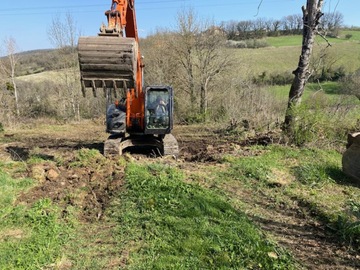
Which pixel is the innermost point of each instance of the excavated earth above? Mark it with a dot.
(293, 226)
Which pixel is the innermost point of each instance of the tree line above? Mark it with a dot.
(288, 25)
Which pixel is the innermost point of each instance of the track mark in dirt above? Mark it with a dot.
(294, 227)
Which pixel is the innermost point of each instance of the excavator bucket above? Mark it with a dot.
(107, 62)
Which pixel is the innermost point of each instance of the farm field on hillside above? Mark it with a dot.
(293, 205)
(253, 62)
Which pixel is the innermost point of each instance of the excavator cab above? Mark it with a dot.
(158, 110)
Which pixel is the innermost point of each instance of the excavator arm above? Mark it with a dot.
(112, 61)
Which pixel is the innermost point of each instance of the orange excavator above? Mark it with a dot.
(136, 116)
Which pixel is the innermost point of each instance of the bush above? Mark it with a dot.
(351, 84)
(1, 127)
(276, 78)
(321, 121)
(329, 74)
(248, 43)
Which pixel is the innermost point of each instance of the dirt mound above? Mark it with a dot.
(84, 187)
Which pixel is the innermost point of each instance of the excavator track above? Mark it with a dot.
(107, 62)
(167, 146)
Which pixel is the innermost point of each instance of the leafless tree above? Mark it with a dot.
(63, 33)
(183, 45)
(212, 61)
(230, 28)
(311, 18)
(244, 28)
(292, 24)
(8, 68)
(198, 51)
(332, 22)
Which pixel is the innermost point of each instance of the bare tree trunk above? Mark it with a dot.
(311, 16)
(8, 67)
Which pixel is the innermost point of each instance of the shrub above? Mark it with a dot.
(321, 120)
(248, 43)
(276, 78)
(351, 84)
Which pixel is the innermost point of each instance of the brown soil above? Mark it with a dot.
(91, 188)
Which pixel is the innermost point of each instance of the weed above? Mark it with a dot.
(312, 174)
(348, 230)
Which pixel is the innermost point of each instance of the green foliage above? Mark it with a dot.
(315, 167)
(275, 78)
(175, 225)
(10, 86)
(2, 129)
(329, 74)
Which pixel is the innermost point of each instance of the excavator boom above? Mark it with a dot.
(112, 61)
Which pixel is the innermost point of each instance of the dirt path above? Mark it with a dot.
(291, 225)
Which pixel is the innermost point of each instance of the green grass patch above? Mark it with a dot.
(355, 34)
(296, 40)
(174, 225)
(282, 41)
(30, 237)
(311, 176)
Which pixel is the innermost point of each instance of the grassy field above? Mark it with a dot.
(283, 54)
(171, 214)
(253, 62)
(235, 199)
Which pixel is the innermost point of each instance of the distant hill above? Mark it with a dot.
(37, 61)
(286, 55)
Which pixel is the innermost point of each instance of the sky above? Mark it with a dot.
(28, 21)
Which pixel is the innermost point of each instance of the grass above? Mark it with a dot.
(31, 237)
(174, 225)
(311, 176)
(296, 40)
(284, 54)
(196, 217)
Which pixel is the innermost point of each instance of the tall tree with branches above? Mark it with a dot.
(311, 20)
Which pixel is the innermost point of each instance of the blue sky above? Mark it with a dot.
(28, 21)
